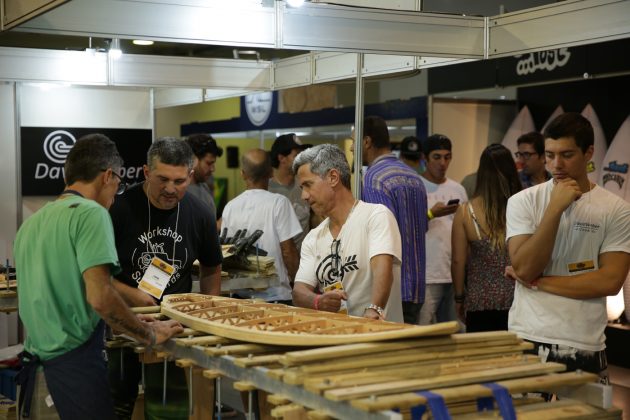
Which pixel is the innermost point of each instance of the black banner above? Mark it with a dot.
(537, 67)
(44, 151)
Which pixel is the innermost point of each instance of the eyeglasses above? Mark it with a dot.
(336, 258)
(525, 155)
(122, 185)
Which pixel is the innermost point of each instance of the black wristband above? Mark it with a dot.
(460, 298)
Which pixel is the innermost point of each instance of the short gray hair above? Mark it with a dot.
(170, 151)
(323, 158)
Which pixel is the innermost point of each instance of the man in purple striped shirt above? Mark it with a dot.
(390, 182)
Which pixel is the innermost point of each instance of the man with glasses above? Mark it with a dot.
(65, 258)
(530, 159)
(206, 153)
(158, 224)
(353, 257)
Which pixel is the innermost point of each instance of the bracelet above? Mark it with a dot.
(316, 302)
(430, 214)
(378, 309)
(459, 298)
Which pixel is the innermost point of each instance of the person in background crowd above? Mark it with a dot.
(159, 223)
(569, 243)
(531, 159)
(411, 154)
(444, 196)
(65, 258)
(483, 294)
(258, 209)
(351, 261)
(206, 152)
(284, 149)
(390, 182)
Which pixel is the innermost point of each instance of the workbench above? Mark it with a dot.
(382, 380)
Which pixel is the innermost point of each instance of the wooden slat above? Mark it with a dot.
(415, 371)
(344, 394)
(240, 349)
(563, 409)
(298, 376)
(207, 340)
(352, 350)
(473, 391)
(145, 309)
(277, 399)
(211, 374)
(264, 360)
(244, 386)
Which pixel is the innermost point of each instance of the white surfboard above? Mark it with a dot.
(614, 172)
(614, 177)
(522, 124)
(558, 111)
(595, 165)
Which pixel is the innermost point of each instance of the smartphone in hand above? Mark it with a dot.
(453, 201)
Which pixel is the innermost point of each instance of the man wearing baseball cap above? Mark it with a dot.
(411, 153)
(284, 149)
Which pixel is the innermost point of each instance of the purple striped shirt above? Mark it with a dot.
(390, 182)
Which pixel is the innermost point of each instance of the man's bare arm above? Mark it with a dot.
(290, 257)
(108, 303)
(607, 280)
(132, 295)
(530, 254)
(382, 273)
(210, 279)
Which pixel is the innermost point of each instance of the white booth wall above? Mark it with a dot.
(53, 105)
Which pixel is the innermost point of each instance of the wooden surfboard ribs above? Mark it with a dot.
(279, 324)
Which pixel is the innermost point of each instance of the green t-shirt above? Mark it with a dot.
(52, 250)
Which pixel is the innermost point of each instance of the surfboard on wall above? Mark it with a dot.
(601, 147)
(522, 124)
(614, 177)
(556, 112)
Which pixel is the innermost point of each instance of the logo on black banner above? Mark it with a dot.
(57, 146)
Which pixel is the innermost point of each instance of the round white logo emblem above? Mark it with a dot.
(57, 145)
(258, 107)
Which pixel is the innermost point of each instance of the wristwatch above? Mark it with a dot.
(378, 309)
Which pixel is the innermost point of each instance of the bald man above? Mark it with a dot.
(257, 208)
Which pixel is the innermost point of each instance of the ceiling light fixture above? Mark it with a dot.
(114, 49)
(295, 3)
(237, 53)
(143, 42)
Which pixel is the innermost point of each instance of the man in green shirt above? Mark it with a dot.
(65, 258)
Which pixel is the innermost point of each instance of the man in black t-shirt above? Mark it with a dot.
(159, 219)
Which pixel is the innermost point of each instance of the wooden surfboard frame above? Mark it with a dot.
(270, 323)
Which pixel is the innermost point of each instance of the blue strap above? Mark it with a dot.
(435, 403)
(504, 400)
(485, 404)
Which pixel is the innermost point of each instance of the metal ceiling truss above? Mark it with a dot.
(413, 41)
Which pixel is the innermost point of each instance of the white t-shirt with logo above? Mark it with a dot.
(598, 222)
(370, 230)
(273, 214)
(438, 240)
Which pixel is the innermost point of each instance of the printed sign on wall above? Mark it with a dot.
(44, 152)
